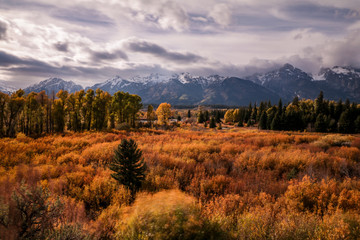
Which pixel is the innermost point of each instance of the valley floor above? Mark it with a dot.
(235, 183)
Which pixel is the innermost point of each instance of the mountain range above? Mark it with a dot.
(186, 89)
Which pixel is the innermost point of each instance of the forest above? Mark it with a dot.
(205, 177)
(320, 115)
(37, 113)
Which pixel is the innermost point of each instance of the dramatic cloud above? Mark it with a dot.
(104, 55)
(89, 41)
(163, 14)
(62, 47)
(156, 50)
(3, 28)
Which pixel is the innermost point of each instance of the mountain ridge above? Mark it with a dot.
(285, 82)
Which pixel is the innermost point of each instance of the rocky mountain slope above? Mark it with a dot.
(51, 85)
(186, 89)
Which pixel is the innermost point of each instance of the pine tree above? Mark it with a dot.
(276, 122)
(357, 125)
(201, 117)
(189, 114)
(212, 123)
(263, 121)
(129, 166)
(320, 124)
(345, 122)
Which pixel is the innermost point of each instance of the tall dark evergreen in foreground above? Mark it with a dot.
(129, 166)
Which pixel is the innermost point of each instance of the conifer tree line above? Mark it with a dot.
(37, 113)
(318, 115)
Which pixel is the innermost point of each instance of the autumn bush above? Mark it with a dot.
(237, 183)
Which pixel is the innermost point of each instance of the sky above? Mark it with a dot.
(89, 41)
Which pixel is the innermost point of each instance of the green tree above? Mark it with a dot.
(212, 123)
(201, 117)
(357, 125)
(320, 124)
(129, 166)
(276, 122)
(189, 114)
(345, 122)
(263, 121)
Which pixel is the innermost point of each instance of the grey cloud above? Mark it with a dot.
(81, 15)
(3, 29)
(7, 60)
(156, 50)
(104, 55)
(62, 47)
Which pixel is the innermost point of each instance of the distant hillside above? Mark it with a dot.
(51, 85)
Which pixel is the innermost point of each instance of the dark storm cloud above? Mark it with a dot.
(3, 28)
(62, 47)
(104, 55)
(156, 50)
(7, 60)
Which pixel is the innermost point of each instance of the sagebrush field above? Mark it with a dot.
(236, 183)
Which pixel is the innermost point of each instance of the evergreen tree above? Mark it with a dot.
(212, 123)
(295, 101)
(280, 106)
(217, 116)
(129, 166)
(345, 122)
(338, 109)
(201, 117)
(263, 121)
(206, 115)
(320, 124)
(276, 122)
(189, 114)
(357, 125)
(319, 104)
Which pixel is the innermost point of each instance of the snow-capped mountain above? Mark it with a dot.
(53, 85)
(152, 78)
(344, 79)
(288, 82)
(186, 89)
(5, 87)
(187, 78)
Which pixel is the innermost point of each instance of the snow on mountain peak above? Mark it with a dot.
(152, 78)
(6, 88)
(344, 70)
(319, 77)
(114, 81)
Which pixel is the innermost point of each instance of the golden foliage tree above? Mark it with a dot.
(163, 113)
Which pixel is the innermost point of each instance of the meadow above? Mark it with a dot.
(234, 183)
